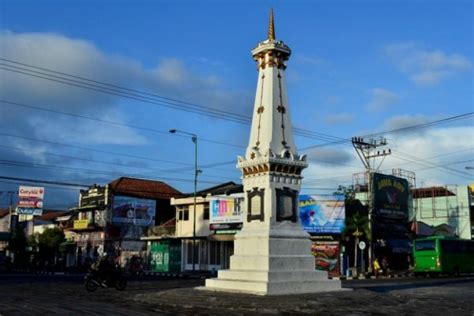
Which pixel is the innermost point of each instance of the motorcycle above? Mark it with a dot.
(116, 279)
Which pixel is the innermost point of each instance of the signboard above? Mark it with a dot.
(130, 210)
(390, 196)
(30, 200)
(31, 192)
(322, 214)
(362, 245)
(327, 256)
(29, 211)
(226, 210)
(81, 224)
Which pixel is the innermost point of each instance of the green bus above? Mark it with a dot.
(439, 255)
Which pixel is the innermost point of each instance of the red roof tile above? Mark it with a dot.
(51, 215)
(3, 212)
(143, 188)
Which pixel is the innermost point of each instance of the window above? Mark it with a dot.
(422, 245)
(255, 205)
(206, 211)
(189, 248)
(183, 213)
(286, 204)
(215, 253)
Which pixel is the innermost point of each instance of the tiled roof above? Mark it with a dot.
(49, 216)
(224, 188)
(431, 192)
(3, 212)
(143, 188)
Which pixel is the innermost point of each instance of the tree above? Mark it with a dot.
(357, 226)
(49, 242)
(17, 245)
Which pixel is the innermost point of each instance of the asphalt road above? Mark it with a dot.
(54, 295)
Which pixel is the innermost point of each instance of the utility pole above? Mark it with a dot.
(10, 213)
(367, 152)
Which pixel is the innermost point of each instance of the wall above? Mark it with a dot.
(184, 228)
(451, 210)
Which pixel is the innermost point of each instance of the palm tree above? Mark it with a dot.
(357, 226)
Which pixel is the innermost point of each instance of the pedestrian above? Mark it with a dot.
(385, 269)
(376, 267)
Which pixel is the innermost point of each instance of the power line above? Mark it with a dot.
(105, 151)
(147, 129)
(98, 86)
(162, 171)
(397, 130)
(45, 166)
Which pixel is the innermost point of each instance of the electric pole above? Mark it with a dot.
(368, 154)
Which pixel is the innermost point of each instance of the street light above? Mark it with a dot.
(194, 139)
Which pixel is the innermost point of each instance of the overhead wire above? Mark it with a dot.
(86, 83)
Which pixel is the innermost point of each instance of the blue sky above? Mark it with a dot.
(357, 67)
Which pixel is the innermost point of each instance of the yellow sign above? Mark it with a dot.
(81, 224)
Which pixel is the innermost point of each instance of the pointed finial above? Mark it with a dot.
(271, 27)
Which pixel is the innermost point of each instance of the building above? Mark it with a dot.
(4, 229)
(213, 235)
(112, 218)
(50, 219)
(443, 210)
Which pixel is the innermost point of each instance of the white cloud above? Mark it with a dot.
(445, 146)
(170, 78)
(381, 99)
(328, 155)
(402, 121)
(426, 67)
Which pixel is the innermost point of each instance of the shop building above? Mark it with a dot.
(218, 215)
(113, 218)
(443, 210)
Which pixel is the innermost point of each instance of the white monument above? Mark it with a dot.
(272, 253)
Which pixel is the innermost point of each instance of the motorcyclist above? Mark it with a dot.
(105, 268)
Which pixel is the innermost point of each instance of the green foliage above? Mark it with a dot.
(32, 241)
(357, 225)
(18, 241)
(49, 241)
(348, 192)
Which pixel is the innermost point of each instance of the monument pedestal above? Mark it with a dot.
(272, 261)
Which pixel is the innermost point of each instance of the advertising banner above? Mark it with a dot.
(390, 196)
(225, 211)
(130, 210)
(29, 211)
(322, 214)
(30, 200)
(327, 256)
(81, 224)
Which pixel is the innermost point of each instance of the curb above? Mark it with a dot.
(362, 277)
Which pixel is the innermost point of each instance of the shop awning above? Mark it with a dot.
(221, 237)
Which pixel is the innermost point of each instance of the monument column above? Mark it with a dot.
(272, 254)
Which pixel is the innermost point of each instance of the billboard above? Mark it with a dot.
(226, 210)
(322, 214)
(327, 256)
(30, 200)
(390, 197)
(130, 210)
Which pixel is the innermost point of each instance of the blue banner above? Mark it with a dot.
(322, 214)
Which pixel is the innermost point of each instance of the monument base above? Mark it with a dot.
(272, 261)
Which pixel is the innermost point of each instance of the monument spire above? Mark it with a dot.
(271, 27)
(271, 252)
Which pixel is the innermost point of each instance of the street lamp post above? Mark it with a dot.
(194, 139)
